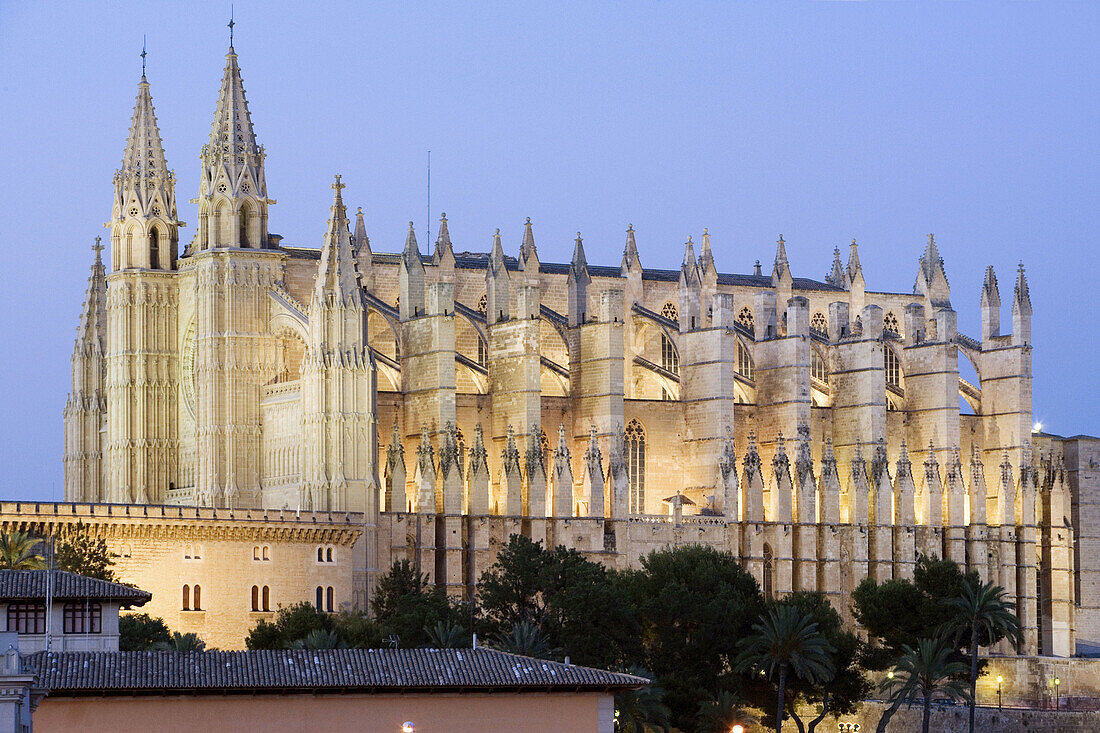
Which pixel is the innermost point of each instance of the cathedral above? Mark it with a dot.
(254, 423)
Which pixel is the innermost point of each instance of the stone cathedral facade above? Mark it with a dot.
(247, 397)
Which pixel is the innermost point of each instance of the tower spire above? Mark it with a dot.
(144, 211)
(337, 273)
(143, 56)
(361, 240)
(931, 276)
(837, 277)
(233, 170)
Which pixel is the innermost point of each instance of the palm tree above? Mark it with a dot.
(17, 552)
(924, 672)
(984, 615)
(447, 635)
(644, 710)
(189, 642)
(319, 639)
(526, 639)
(783, 641)
(719, 713)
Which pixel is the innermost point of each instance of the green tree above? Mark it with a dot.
(897, 613)
(983, 616)
(291, 624)
(785, 641)
(19, 551)
(405, 605)
(358, 631)
(692, 603)
(644, 710)
(578, 604)
(140, 632)
(848, 687)
(924, 672)
(77, 551)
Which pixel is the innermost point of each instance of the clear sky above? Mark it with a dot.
(823, 122)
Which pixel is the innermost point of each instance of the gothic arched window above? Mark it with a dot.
(745, 319)
(197, 598)
(243, 217)
(482, 352)
(892, 365)
(267, 598)
(819, 324)
(154, 248)
(817, 366)
(890, 325)
(329, 599)
(768, 583)
(744, 361)
(320, 598)
(669, 311)
(255, 598)
(186, 598)
(635, 461)
(670, 360)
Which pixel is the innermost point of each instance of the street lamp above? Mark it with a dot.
(1000, 679)
(1057, 701)
(738, 728)
(408, 727)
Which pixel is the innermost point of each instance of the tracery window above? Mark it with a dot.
(635, 456)
(817, 366)
(27, 618)
(482, 352)
(892, 366)
(670, 360)
(890, 325)
(745, 319)
(819, 324)
(483, 304)
(670, 312)
(744, 361)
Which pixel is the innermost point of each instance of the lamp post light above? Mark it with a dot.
(408, 727)
(737, 728)
(1057, 700)
(1000, 679)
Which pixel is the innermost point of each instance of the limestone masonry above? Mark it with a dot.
(254, 424)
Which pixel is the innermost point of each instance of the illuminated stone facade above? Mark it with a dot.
(444, 401)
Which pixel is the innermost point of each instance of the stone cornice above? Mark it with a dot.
(121, 521)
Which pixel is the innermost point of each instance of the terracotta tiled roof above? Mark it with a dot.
(30, 585)
(215, 672)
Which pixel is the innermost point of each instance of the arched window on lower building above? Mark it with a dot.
(329, 594)
(769, 560)
(267, 598)
(892, 365)
(320, 598)
(267, 552)
(186, 598)
(670, 360)
(196, 596)
(635, 456)
(817, 366)
(328, 555)
(744, 361)
(320, 554)
(255, 598)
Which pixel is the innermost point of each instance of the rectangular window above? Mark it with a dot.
(83, 618)
(27, 618)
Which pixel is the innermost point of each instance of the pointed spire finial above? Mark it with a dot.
(143, 56)
(97, 247)
(757, 269)
(230, 25)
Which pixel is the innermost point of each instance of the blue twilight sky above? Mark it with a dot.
(823, 122)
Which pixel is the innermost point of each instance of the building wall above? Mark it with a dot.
(106, 640)
(162, 549)
(528, 712)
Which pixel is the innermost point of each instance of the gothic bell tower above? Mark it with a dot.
(142, 299)
(233, 271)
